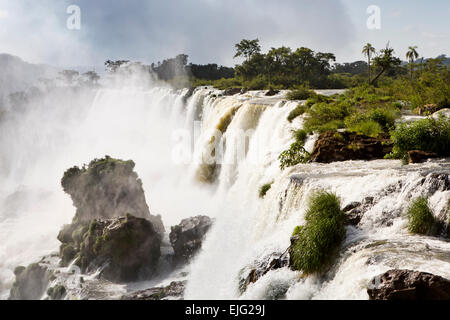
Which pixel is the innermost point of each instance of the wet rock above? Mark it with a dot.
(174, 290)
(408, 285)
(354, 211)
(107, 188)
(30, 283)
(354, 217)
(443, 112)
(351, 206)
(418, 156)
(57, 292)
(435, 181)
(368, 200)
(186, 238)
(232, 91)
(126, 248)
(343, 146)
(271, 92)
(262, 267)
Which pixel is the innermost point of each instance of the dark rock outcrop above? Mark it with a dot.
(31, 282)
(186, 238)
(126, 248)
(107, 188)
(271, 92)
(57, 292)
(343, 146)
(232, 91)
(262, 267)
(174, 290)
(418, 156)
(408, 285)
(354, 211)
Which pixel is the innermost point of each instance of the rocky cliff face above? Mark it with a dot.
(107, 188)
(186, 238)
(31, 282)
(124, 248)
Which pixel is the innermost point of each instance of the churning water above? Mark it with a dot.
(170, 135)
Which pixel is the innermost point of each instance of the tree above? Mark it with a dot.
(412, 55)
(385, 61)
(112, 66)
(367, 51)
(91, 77)
(247, 48)
(69, 76)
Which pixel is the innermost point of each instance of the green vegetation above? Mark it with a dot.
(301, 109)
(412, 55)
(366, 127)
(427, 135)
(300, 135)
(301, 93)
(296, 153)
(420, 217)
(263, 190)
(324, 116)
(368, 50)
(318, 240)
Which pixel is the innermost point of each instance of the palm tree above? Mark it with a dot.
(412, 55)
(367, 51)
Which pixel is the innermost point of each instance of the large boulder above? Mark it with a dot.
(342, 146)
(408, 285)
(174, 290)
(419, 156)
(31, 282)
(107, 188)
(124, 248)
(186, 238)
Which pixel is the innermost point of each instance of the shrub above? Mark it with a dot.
(368, 127)
(318, 240)
(385, 117)
(300, 135)
(301, 93)
(263, 190)
(327, 116)
(420, 217)
(298, 111)
(427, 135)
(258, 83)
(294, 155)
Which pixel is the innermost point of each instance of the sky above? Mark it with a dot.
(206, 30)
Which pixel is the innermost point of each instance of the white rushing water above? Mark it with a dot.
(167, 133)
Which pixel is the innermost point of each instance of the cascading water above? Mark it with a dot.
(153, 127)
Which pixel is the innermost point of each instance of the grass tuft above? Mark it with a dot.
(318, 240)
(420, 217)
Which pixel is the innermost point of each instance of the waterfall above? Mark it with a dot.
(242, 137)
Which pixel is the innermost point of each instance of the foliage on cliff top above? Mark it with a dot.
(95, 169)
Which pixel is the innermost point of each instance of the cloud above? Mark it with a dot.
(206, 30)
(3, 14)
